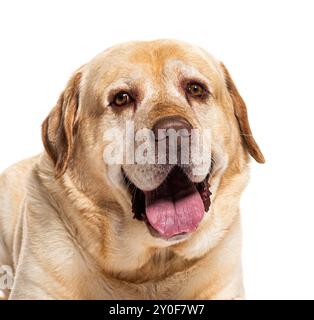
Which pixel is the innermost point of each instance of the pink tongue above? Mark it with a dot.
(172, 215)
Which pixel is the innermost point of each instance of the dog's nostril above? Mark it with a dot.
(179, 124)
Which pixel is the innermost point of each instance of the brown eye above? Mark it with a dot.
(122, 99)
(195, 90)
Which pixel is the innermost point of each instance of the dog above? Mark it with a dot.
(74, 226)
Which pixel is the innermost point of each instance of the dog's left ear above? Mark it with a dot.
(58, 129)
(242, 117)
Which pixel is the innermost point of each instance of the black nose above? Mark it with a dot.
(173, 140)
(179, 124)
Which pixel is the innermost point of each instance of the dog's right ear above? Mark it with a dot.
(58, 127)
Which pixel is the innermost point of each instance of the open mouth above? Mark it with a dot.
(175, 208)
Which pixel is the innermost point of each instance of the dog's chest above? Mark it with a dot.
(164, 277)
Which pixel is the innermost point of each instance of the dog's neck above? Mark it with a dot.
(87, 226)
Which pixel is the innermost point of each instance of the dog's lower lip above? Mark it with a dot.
(177, 237)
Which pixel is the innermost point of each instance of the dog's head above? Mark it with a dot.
(153, 127)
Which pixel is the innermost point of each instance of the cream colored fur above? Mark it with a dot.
(74, 236)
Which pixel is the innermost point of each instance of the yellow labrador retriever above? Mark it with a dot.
(74, 224)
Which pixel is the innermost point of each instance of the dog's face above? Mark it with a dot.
(128, 97)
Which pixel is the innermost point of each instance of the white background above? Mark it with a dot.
(268, 48)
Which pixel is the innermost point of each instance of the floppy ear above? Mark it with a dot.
(242, 117)
(58, 129)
